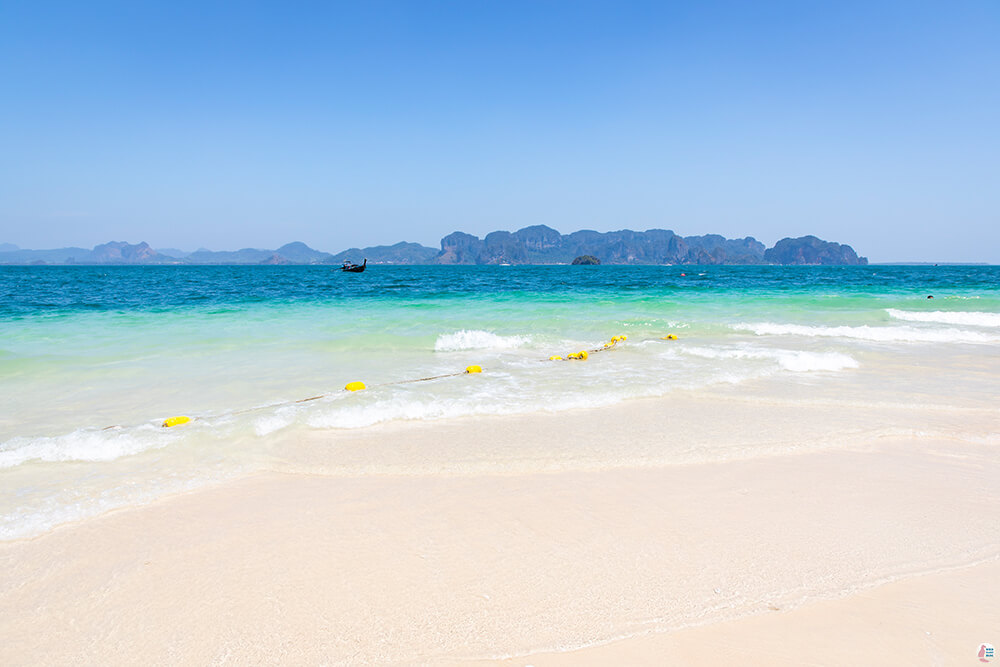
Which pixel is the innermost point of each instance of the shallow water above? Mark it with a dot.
(87, 348)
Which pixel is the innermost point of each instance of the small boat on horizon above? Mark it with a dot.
(354, 268)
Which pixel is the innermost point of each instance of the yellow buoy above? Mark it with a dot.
(473, 369)
(580, 356)
(555, 357)
(175, 421)
(357, 385)
(669, 337)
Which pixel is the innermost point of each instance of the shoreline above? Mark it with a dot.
(450, 567)
(758, 420)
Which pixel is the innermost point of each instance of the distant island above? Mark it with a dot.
(537, 244)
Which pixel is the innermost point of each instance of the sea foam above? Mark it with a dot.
(978, 319)
(475, 339)
(82, 445)
(876, 334)
(791, 360)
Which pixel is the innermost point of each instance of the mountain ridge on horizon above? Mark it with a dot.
(536, 244)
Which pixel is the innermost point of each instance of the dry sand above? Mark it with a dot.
(935, 619)
(836, 556)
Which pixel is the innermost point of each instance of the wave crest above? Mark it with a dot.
(973, 318)
(82, 445)
(475, 339)
(791, 360)
(876, 334)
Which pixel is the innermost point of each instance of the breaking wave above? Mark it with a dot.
(83, 445)
(475, 339)
(790, 360)
(958, 317)
(877, 334)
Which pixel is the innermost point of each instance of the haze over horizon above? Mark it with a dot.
(191, 125)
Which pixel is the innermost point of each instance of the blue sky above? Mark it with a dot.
(227, 125)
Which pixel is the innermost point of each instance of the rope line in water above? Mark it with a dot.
(359, 386)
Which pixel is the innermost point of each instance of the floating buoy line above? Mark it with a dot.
(358, 385)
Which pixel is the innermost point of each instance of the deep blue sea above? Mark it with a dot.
(93, 359)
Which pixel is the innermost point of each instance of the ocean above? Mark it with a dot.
(94, 359)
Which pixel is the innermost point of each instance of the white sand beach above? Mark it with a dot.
(877, 552)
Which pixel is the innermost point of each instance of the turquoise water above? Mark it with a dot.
(83, 349)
